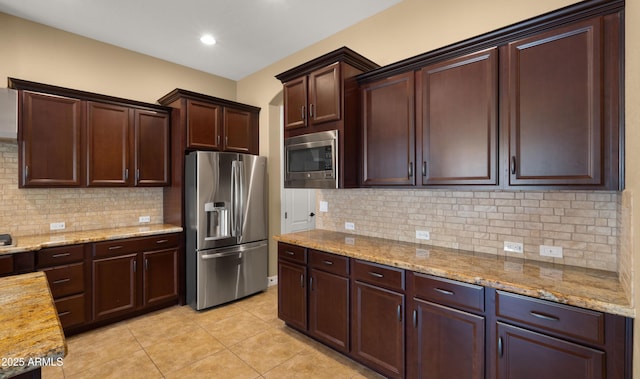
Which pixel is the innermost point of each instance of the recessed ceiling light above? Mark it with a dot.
(208, 39)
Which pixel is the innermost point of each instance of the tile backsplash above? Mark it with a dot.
(30, 211)
(584, 223)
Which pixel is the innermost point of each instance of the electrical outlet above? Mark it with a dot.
(349, 226)
(514, 247)
(143, 219)
(272, 281)
(56, 226)
(324, 206)
(551, 251)
(422, 235)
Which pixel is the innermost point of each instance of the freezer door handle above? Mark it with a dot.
(227, 253)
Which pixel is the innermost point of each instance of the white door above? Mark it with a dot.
(299, 209)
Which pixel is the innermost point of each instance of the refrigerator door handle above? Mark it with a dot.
(240, 205)
(234, 198)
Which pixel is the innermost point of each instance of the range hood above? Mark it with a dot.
(8, 114)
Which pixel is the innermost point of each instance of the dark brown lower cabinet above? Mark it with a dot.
(524, 354)
(377, 329)
(292, 294)
(160, 282)
(114, 286)
(445, 343)
(329, 309)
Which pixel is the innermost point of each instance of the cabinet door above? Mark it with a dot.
(458, 120)
(292, 294)
(204, 123)
(445, 343)
(555, 107)
(160, 276)
(523, 354)
(377, 329)
(239, 131)
(389, 131)
(108, 145)
(324, 94)
(152, 156)
(295, 103)
(50, 132)
(329, 309)
(114, 286)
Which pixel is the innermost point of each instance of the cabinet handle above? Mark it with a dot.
(137, 175)
(311, 283)
(60, 281)
(310, 110)
(217, 140)
(301, 280)
(135, 266)
(375, 274)
(424, 168)
(328, 263)
(226, 141)
(444, 292)
(543, 316)
(161, 241)
(513, 165)
(63, 314)
(115, 247)
(500, 347)
(415, 318)
(399, 312)
(411, 169)
(290, 253)
(60, 255)
(126, 174)
(303, 112)
(146, 264)
(26, 172)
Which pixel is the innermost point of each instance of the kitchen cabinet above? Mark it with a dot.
(457, 132)
(68, 277)
(446, 338)
(50, 147)
(377, 323)
(292, 288)
(323, 95)
(572, 342)
(536, 105)
(71, 138)
(329, 299)
(388, 135)
(203, 122)
(18, 263)
(134, 274)
(561, 120)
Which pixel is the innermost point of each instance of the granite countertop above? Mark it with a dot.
(587, 288)
(30, 334)
(40, 241)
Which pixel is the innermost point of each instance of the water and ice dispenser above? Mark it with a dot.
(218, 220)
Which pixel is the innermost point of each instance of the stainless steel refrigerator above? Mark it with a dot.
(226, 234)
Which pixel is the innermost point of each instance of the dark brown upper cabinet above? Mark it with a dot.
(560, 116)
(322, 95)
(49, 140)
(457, 104)
(389, 131)
(203, 122)
(535, 105)
(71, 138)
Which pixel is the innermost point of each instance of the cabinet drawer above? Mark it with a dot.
(160, 242)
(60, 255)
(292, 253)
(71, 310)
(448, 292)
(328, 262)
(116, 247)
(559, 319)
(380, 275)
(66, 280)
(6, 264)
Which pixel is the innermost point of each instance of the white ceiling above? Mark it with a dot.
(250, 34)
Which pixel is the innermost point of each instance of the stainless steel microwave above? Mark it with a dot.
(311, 160)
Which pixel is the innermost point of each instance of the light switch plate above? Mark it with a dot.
(514, 247)
(324, 206)
(143, 219)
(57, 226)
(349, 226)
(551, 251)
(422, 234)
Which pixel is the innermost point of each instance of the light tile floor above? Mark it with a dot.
(244, 339)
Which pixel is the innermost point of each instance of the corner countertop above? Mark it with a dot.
(30, 333)
(40, 241)
(581, 287)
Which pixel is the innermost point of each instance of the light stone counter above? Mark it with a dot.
(587, 288)
(37, 242)
(30, 331)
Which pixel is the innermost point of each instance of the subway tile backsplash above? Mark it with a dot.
(584, 223)
(29, 211)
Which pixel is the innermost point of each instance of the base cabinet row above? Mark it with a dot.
(405, 324)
